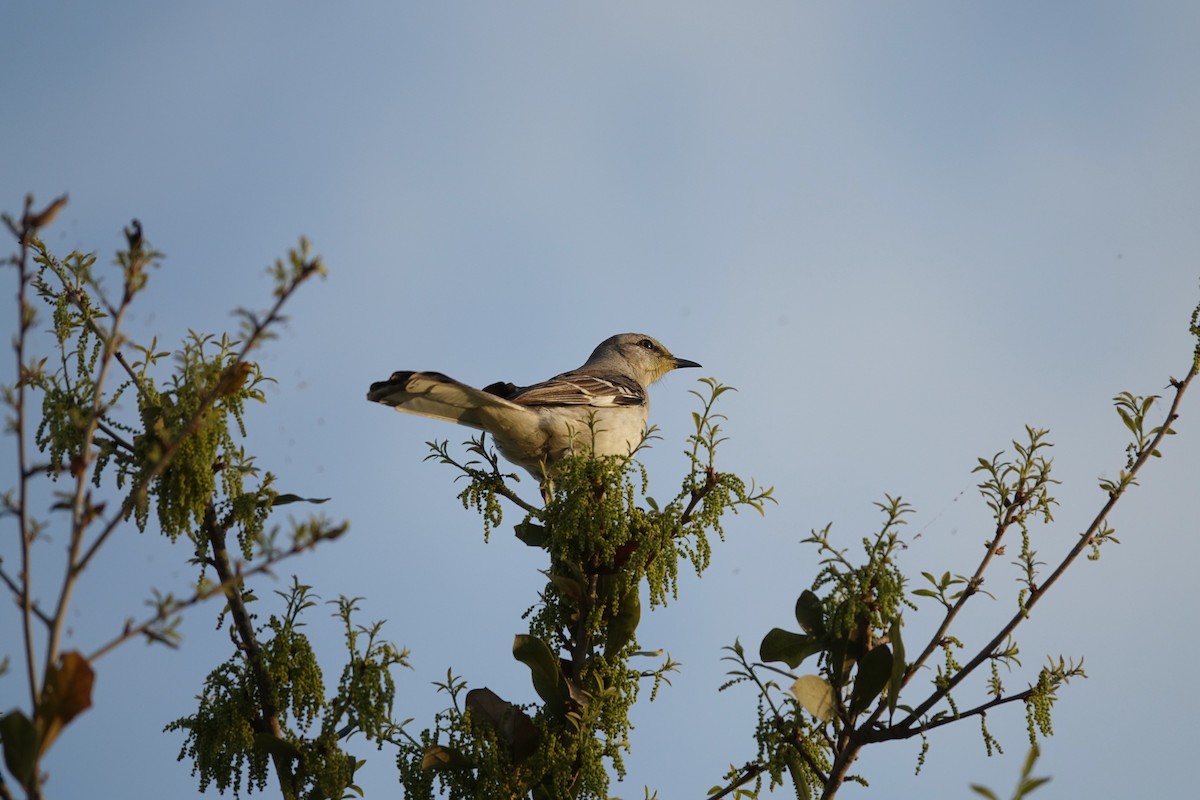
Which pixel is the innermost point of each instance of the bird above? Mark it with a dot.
(601, 406)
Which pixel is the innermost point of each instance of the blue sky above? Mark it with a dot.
(902, 231)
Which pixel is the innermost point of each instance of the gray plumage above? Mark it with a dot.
(535, 426)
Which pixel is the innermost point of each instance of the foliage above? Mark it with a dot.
(121, 433)
(864, 690)
(124, 435)
(1025, 786)
(604, 550)
(227, 737)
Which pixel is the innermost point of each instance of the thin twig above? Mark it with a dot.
(697, 495)
(974, 712)
(749, 773)
(112, 434)
(935, 641)
(25, 312)
(110, 341)
(15, 588)
(1085, 540)
(501, 488)
(82, 511)
(143, 482)
(167, 611)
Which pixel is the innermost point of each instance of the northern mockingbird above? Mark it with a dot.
(535, 426)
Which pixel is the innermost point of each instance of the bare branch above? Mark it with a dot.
(25, 526)
(239, 573)
(1085, 540)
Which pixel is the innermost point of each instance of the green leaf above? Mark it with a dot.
(874, 671)
(844, 652)
(1031, 784)
(624, 624)
(790, 648)
(548, 680)
(532, 534)
(20, 746)
(285, 499)
(810, 614)
(570, 588)
(438, 757)
(512, 725)
(815, 695)
(898, 666)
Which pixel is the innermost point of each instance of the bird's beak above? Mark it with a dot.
(683, 362)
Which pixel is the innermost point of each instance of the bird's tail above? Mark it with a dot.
(432, 394)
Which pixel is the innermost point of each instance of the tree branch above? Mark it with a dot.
(240, 573)
(749, 772)
(1085, 539)
(231, 582)
(26, 533)
(82, 511)
(143, 481)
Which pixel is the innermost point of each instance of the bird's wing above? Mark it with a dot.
(432, 394)
(582, 389)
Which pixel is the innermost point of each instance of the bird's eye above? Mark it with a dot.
(646, 343)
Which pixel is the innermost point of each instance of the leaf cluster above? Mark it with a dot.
(126, 432)
(852, 619)
(608, 544)
(231, 742)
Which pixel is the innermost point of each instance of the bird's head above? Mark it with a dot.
(638, 355)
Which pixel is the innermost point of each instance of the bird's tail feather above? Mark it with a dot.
(432, 394)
